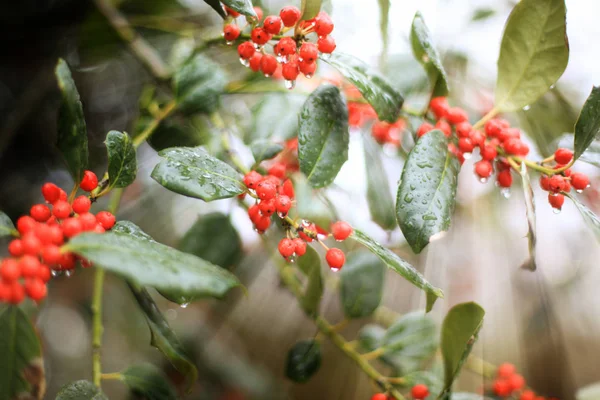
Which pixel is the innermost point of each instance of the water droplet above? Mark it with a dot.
(55, 273)
(408, 198)
(257, 46)
(267, 75)
(228, 43)
(281, 215)
(483, 180)
(505, 192)
(308, 76)
(69, 273)
(551, 86)
(526, 108)
(290, 84)
(326, 56)
(466, 156)
(321, 236)
(334, 269)
(579, 190)
(556, 210)
(292, 258)
(244, 62)
(184, 305)
(281, 59)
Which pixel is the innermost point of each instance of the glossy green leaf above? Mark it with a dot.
(150, 263)
(21, 365)
(122, 163)
(409, 342)
(361, 284)
(426, 54)
(244, 7)
(72, 133)
(198, 85)
(323, 136)
(149, 382)
(374, 87)
(163, 337)
(303, 361)
(589, 392)
(80, 390)
(129, 228)
(534, 53)
(216, 5)
(310, 265)
(214, 239)
(587, 127)
(265, 150)
(7, 228)
(379, 197)
(459, 333)
(310, 9)
(275, 117)
(402, 267)
(192, 172)
(531, 222)
(370, 336)
(427, 192)
(589, 217)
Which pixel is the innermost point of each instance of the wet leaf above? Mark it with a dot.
(7, 228)
(361, 284)
(275, 117)
(530, 209)
(303, 361)
(588, 216)
(216, 5)
(379, 197)
(122, 163)
(265, 150)
(149, 382)
(80, 390)
(244, 7)
(587, 127)
(198, 85)
(310, 9)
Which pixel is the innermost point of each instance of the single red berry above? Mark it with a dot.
(35, 289)
(67, 261)
(246, 50)
(266, 190)
(504, 179)
(17, 293)
(509, 133)
(323, 24)
(272, 24)
(483, 169)
(232, 12)
(286, 247)
(419, 392)
(439, 106)
(10, 270)
(299, 247)
(379, 396)
(556, 200)
(56, 235)
(478, 138)
(335, 258)
(25, 224)
(494, 126)
(268, 64)
(44, 233)
(31, 244)
(456, 115)
(99, 228)
(506, 370)
(231, 32)
(72, 227)
(89, 181)
(579, 181)
(465, 145)
(556, 183)
(307, 69)
(563, 156)
(61, 209)
(341, 230)
(488, 152)
(516, 382)
(290, 71)
(267, 207)
(51, 254)
(290, 15)
(283, 204)
(259, 12)
(40, 212)
(309, 52)
(254, 62)
(15, 248)
(29, 266)
(502, 388)
(444, 126)
(252, 179)
(106, 219)
(286, 46)
(424, 128)
(545, 182)
(527, 395)
(82, 204)
(567, 172)
(463, 129)
(51, 192)
(326, 44)
(262, 223)
(254, 213)
(567, 187)
(44, 273)
(288, 189)
(88, 221)
(260, 36)
(63, 195)
(4, 290)
(278, 169)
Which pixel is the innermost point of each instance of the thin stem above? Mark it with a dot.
(164, 113)
(97, 327)
(373, 355)
(115, 376)
(340, 325)
(493, 112)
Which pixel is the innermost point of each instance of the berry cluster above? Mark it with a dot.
(418, 392)
(508, 383)
(296, 54)
(563, 181)
(36, 255)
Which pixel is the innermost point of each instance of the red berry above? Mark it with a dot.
(456, 115)
(29, 266)
(231, 32)
(286, 247)
(31, 244)
(516, 382)
(289, 15)
(266, 190)
(556, 183)
(290, 71)
(335, 258)
(341, 230)
(309, 52)
(563, 156)
(419, 391)
(288, 189)
(82, 205)
(44, 273)
(527, 395)
(545, 182)
(246, 50)
(488, 152)
(259, 12)
(299, 247)
(494, 126)
(56, 235)
(439, 106)
(67, 261)
(478, 138)
(254, 213)
(267, 207)
(88, 221)
(260, 36)
(283, 204)
(308, 69)
(25, 224)
(444, 126)
(502, 388)
(262, 223)
(465, 145)
(72, 227)
(15, 248)
(10, 270)
(424, 128)
(99, 229)
(51, 254)
(51, 192)
(286, 46)
(63, 195)
(61, 209)
(272, 24)
(40, 212)
(483, 169)
(89, 181)
(323, 24)
(254, 61)
(504, 179)
(106, 219)
(268, 64)
(252, 179)
(556, 200)
(35, 289)
(579, 181)
(506, 370)
(17, 293)
(232, 12)
(379, 396)
(326, 44)
(463, 129)
(508, 133)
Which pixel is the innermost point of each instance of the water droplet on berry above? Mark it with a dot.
(55, 273)
(281, 215)
(326, 56)
(505, 192)
(334, 269)
(228, 43)
(289, 84)
(526, 108)
(267, 75)
(292, 258)
(483, 180)
(308, 76)
(244, 62)
(579, 190)
(69, 273)
(556, 210)
(280, 59)
(321, 236)
(466, 156)
(184, 305)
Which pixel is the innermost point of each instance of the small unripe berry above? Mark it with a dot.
(563, 156)
(424, 128)
(82, 204)
(51, 192)
(326, 44)
(335, 258)
(260, 36)
(89, 181)
(268, 64)
(40, 212)
(106, 219)
(341, 230)
(272, 24)
(286, 247)
(231, 32)
(579, 181)
(299, 247)
(483, 169)
(439, 106)
(456, 115)
(309, 52)
(556, 200)
(290, 15)
(323, 24)
(246, 50)
(419, 392)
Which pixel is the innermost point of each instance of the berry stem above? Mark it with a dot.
(115, 376)
(491, 114)
(97, 327)
(164, 113)
(373, 355)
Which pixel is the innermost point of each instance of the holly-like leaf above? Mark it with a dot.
(80, 390)
(530, 210)
(149, 382)
(244, 7)
(310, 265)
(587, 127)
(379, 197)
(275, 117)
(589, 217)
(310, 9)
(129, 228)
(402, 267)
(192, 172)
(361, 284)
(21, 365)
(149, 263)
(589, 392)
(122, 163)
(7, 228)
(214, 239)
(375, 88)
(303, 361)
(216, 5)
(426, 54)
(265, 150)
(427, 192)
(72, 133)
(323, 136)
(534, 53)
(163, 337)
(459, 333)
(198, 85)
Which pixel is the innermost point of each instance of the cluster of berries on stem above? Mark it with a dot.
(509, 384)
(36, 255)
(417, 392)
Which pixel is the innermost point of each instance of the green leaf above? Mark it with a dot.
(589, 392)
(587, 127)
(265, 150)
(427, 192)
(534, 53)
(214, 239)
(481, 14)
(216, 5)
(361, 284)
(122, 163)
(310, 9)
(379, 197)
(7, 228)
(310, 265)
(375, 88)
(588, 216)
(72, 134)
(192, 172)
(459, 332)
(244, 7)
(148, 382)
(129, 228)
(163, 337)
(401, 266)
(275, 116)
(149, 263)
(80, 390)
(22, 367)
(323, 136)
(309, 205)
(198, 85)
(171, 133)
(303, 361)
(530, 212)
(426, 54)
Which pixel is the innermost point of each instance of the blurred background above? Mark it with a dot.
(544, 321)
